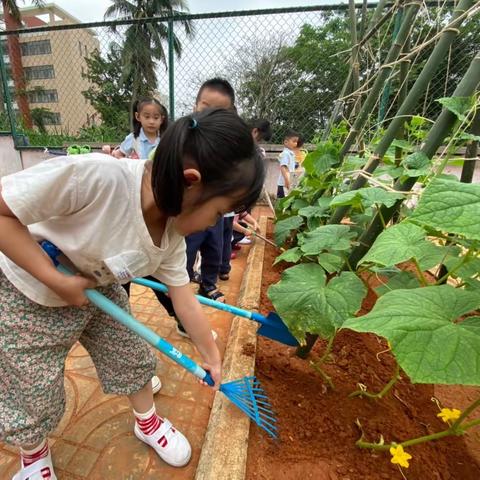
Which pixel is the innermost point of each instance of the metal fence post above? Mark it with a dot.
(7, 97)
(171, 73)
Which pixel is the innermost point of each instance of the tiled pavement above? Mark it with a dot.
(95, 439)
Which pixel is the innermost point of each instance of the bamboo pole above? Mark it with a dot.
(471, 152)
(440, 129)
(434, 61)
(385, 71)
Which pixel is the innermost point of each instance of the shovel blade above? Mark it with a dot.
(275, 329)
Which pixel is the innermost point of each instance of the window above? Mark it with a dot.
(40, 47)
(53, 118)
(39, 72)
(43, 96)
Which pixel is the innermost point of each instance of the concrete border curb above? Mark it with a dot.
(224, 452)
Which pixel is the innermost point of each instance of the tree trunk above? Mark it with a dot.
(18, 77)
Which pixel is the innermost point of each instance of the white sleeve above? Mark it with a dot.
(46, 190)
(173, 272)
(284, 159)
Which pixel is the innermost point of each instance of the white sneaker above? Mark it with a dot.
(156, 384)
(245, 241)
(37, 470)
(184, 333)
(171, 445)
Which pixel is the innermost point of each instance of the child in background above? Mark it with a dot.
(287, 163)
(261, 132)
(216, 93)
(149, 120)
(114, 220)
(300, 155)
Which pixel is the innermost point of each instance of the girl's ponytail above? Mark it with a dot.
(136, 125)
(167, 172)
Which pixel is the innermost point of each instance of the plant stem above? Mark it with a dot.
(420, 274)
(455, 429)
(466, 413)
(384, 391)
(319, 370)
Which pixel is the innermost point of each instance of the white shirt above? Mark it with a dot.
(286, 159)
(89, 206)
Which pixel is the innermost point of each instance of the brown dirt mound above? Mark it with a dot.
(317, 425)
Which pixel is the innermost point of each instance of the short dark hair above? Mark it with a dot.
(137, 108)
(290, 134)
(220, 144)
(301, 141)
(263, 127)
(218, 85)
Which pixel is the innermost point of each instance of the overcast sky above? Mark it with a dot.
(93, 10)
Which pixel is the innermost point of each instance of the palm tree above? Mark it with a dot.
(143, 44)
(12, 19)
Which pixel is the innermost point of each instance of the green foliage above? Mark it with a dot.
(428, 338)
(327, 237)
(143, 47)
(451, 207)
(396, 281)
(307, 303)
(110, 94)
(460, 106)
(403, 242)
(367, 197)
(283, 228)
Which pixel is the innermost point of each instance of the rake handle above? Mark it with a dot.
(206, 301)
(112, 309)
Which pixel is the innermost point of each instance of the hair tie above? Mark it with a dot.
(193, 124)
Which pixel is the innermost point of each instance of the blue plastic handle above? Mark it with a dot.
(206, 301)
(112, 309)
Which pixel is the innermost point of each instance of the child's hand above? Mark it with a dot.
(215, 370)
(72, 289)
(107, 149)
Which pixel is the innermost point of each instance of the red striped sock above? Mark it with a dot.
(149, 422)
(32, 456)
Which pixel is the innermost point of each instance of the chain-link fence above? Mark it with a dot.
(75, 83)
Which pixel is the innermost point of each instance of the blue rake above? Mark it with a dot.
(245, 393)
(271, 326)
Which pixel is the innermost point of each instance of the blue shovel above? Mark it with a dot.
(246, 393)
(271, 326)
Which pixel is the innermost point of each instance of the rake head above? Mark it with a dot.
(250, 398)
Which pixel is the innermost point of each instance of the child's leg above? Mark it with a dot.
(211, 251)
(193, 242)
(34, 342)
(227, 246)
(125, 364)
(280, 192)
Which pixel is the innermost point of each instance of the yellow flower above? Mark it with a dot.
(447, 414)
(399, 456)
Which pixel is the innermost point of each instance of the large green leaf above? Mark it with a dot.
(403, 242)
(367, 197)
(400, 280)
(460, 106)
(327, 237)
(293, 255)
(284, 227)
(426, 342)
(306, 303)
(319, 162)
(450, 206)
(416, 164)
(330, 262)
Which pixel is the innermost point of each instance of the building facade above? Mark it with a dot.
(54, 64)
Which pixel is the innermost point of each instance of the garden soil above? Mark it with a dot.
(317, 425)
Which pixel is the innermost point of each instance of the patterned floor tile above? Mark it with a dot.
(95, 438)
